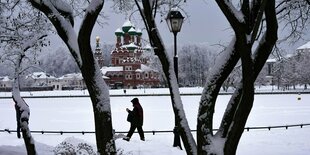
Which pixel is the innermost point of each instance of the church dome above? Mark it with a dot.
(119, 32)
(132, 31)
(139, 32)
(126, 26)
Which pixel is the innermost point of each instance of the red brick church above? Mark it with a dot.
(128, 67)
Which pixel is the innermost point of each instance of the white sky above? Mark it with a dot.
(196, 28)
(206, 25)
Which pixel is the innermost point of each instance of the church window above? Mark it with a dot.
(128, 68)
(128, 76)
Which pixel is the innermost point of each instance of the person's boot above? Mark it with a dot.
(143, 139)
(126, 138)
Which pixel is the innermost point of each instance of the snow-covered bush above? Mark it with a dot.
(74, 146)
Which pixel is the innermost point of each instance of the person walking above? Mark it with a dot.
(135, 117)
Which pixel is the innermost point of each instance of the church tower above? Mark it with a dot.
(98, 53)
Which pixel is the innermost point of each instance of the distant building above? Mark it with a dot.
(5, 83)
(128, 69)
(289, 61)
(40, 79)
(128, 64)
(69, 82)
(304, 48)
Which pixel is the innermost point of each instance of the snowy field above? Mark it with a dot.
(75, 114)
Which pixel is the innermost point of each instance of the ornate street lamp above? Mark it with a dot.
(175, 20)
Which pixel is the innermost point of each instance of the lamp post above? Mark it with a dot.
(175, 20)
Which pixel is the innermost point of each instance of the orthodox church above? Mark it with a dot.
(128, 67)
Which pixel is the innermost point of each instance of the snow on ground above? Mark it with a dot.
(75, 114)
(143, 91)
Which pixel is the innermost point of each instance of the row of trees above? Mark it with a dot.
(255, 24)
(195, 63)
(292, 71)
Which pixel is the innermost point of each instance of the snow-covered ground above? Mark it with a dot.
(75, 114)
(146, 91)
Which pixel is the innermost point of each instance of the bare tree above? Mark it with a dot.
(53, 62)
(293, 16)
(255, 25)
(148, 13)
(61, 15)
(22, 35)
(195, 61)
(246, 23)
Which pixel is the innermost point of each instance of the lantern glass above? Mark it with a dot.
(174, 21)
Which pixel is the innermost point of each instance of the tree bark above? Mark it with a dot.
(91, 73)
(168, 69)
(240, 105)
(209, 96)
(239, 108)
(22, 111)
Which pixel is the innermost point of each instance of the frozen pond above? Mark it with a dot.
(75, 114)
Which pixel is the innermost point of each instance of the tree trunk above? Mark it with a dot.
(168, 69)
(239, 107)
(102, 115)
(209, 96)
(80, 48)
(22, 111)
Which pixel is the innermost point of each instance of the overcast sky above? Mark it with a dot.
(206, 25)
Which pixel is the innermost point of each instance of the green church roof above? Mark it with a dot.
(139, 32)
(119, 32)
(132, 31)
(126, 26)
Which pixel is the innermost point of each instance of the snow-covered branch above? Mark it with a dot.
(30, 43)
(62, 23)
(234, 16)
(89, 21)
(167, 64)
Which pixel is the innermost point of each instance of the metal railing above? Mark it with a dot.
(157, 131)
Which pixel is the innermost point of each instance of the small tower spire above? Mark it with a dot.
(97, 42)
(98, 53)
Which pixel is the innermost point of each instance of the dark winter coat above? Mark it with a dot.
(135, 117)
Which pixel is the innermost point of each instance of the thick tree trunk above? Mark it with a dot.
(168, 68)
(102, 118)
(98, 90)
(239, 107)
(81, 51)
(209, 96)
(102, 114)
